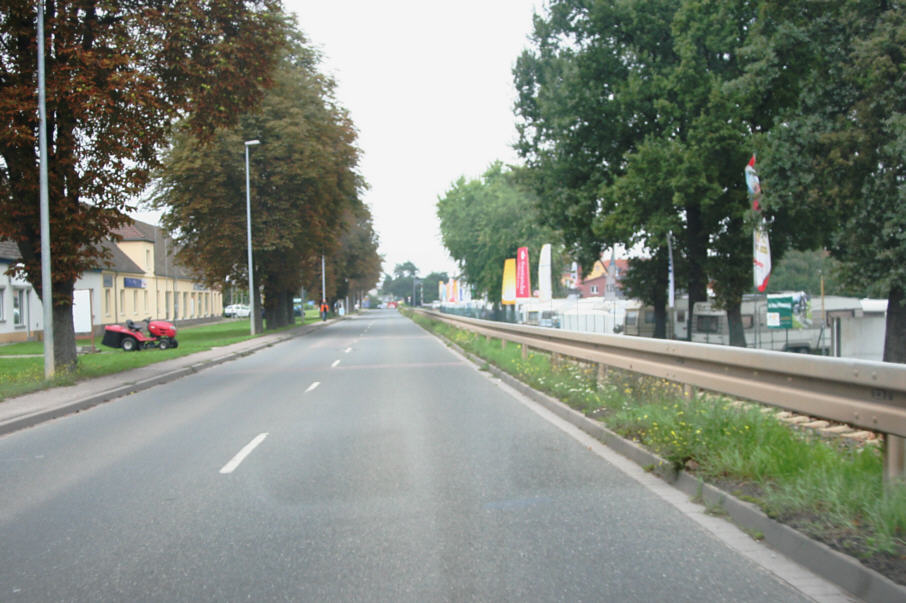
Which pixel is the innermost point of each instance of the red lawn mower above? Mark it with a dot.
(161, 335)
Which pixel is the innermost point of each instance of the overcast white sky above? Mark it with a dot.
(429, 86)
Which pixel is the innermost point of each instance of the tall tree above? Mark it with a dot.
(405, 269)
(483, 222)
(430, 283)
(400, 285)
(358, 256)
(831, 77)
(304, 189)
(626, 120)
(119, 74)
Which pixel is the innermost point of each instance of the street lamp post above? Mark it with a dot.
(253, 305)
(44, 204)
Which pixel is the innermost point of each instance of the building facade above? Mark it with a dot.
(158, 286)
(141, 280)
(604, 280)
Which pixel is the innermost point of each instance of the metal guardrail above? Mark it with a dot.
(865, 394)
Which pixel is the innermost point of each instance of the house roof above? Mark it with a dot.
(9, 250)
(119, 261)
(131, 232)
(165, 249)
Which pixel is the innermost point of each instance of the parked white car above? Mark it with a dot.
(237, 310)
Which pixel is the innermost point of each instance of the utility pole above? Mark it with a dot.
(46, 281)
(253, 297)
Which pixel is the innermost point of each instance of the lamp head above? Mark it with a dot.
(249, 143)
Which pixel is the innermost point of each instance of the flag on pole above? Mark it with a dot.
(508, 290)
(761, 246)
(523, 274)
(544, 273)
(670, 282)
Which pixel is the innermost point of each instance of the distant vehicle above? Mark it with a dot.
(237, 311)
(549, 319)
(392, 305)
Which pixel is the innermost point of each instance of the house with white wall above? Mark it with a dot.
(141, 279)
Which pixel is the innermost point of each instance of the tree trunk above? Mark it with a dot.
(256, 316)
(895, 339)
(696, 248)
(284, 310)
(660, 318)
(65, 356)
(290, 319)
(734, 321)
(278, 308)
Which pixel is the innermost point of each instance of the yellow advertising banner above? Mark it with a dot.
(508, 291)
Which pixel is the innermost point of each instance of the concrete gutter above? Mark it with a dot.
(838, 568)
(36, 407)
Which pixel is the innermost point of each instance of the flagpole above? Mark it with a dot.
(671, 301)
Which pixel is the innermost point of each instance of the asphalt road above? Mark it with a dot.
(361, 462)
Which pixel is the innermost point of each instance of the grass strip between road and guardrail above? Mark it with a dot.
(22, 364)
(831, 490)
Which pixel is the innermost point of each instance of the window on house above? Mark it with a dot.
(107, 302)
(594, 289)
(135, 302)
(148, 260)
(145, 302)
(18, 307)
(748, 321)
(122, 302)
(649, 317)
(2, 304)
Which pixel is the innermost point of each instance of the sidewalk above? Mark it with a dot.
(36, 407)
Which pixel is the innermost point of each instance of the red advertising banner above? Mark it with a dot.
(523, 276)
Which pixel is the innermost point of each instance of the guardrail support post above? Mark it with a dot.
(602, 375)
(689, 391)
(503, 344)
(894, 458)
(524, 352)
(556, 360)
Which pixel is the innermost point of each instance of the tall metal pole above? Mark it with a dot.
(323, 281)
(253, 310)
(46, 281)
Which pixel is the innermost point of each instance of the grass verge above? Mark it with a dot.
(26, 374)
(829, 490)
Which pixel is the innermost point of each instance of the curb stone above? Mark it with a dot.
(832, 565)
